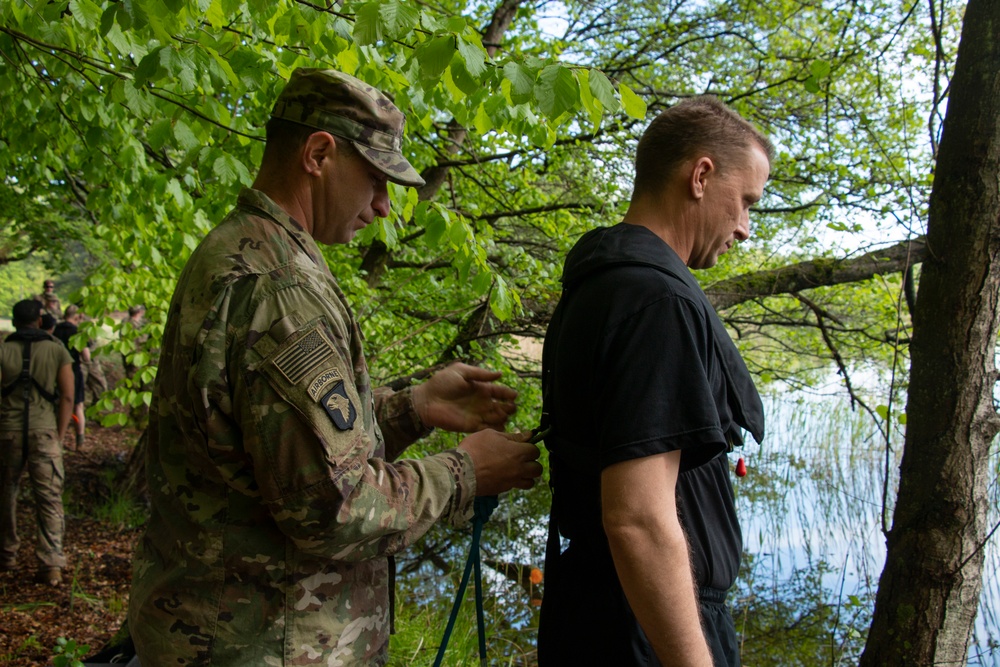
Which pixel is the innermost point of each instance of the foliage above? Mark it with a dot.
(134, 124)
(20, 280)
(796, 618)
(67, 653)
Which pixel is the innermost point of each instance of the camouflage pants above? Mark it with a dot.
(45, 470)
(94, 379)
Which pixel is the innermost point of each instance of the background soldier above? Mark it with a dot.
(36, 377)
(49, 300)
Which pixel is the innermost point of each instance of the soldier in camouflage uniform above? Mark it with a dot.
(276, 493)
(50, 302)
(31, 436)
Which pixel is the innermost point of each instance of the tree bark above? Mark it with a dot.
(816, 273)
(929, 590)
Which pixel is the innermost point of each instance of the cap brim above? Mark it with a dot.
(395, 167)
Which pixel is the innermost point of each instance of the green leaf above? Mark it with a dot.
(399, 18)
(174, 189)
(149, 68)
(819, 68)
(482, 120)
(136, 14)
(457, 94)
(633, 104)
(118, 40)
(465, 81)
(436, 227)
(435, 55)
(386, 233)
(160, 133)
(557, 91)
(86, 13)
(186, 139)
(501, 300)
(230, 171)
(108, 18)
(812, 85)
(603, 90)
(593, 106)
(215, 14)
(882, 411)
(367, 28)
(522, 82)
(459, 233)
(482, 282)
(473, 55)
(456, 24)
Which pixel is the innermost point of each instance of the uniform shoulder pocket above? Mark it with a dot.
(309, 372)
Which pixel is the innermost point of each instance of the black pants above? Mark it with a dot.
(586, 620)
(720, 631)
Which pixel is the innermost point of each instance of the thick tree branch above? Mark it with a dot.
(816, 273)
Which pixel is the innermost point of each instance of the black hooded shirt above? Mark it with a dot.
(636, 362)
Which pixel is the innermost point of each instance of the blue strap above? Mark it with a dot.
(483, 508)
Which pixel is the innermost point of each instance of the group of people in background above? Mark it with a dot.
(44, 378)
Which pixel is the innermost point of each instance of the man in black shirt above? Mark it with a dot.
(646, 393)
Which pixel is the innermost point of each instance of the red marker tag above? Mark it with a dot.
(741, 468)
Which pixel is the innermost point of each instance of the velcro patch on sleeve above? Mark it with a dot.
(304, 355)
(339, 407)
(322, 382)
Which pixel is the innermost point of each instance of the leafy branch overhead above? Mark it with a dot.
(132, 125)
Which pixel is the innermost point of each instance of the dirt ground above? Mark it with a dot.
(90, 605)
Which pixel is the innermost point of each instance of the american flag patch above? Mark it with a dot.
(304, 355)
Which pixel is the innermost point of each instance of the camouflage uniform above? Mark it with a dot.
(44, 461)
(274, 502)
(50, 304)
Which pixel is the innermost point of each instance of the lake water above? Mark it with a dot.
(814, 495)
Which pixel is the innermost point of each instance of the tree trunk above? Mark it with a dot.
(929, 590)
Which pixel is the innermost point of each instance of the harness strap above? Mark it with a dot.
(483, 507)
(26, 381)
(26, 394)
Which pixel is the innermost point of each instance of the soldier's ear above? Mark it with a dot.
(316, 150)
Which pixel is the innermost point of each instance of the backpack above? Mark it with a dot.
(27, 337)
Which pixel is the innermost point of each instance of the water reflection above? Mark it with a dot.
(812, 511)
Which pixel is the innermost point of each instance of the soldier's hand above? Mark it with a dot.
(502, 461)
(464, 399)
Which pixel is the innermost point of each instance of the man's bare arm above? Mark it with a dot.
(650, 553)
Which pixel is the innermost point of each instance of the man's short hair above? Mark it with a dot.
(48, 322)
(135, 310)
(47, 284)
(692, 128)
(26, 313)
(71, 310)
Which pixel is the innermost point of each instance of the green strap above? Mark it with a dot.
(483, 508)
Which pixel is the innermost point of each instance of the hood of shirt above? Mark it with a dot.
(634, 245)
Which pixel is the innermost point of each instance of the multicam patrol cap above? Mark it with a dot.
(346, 107)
